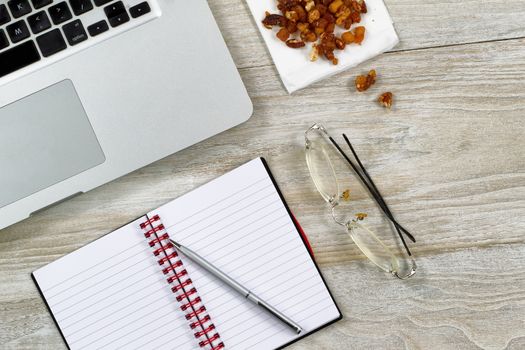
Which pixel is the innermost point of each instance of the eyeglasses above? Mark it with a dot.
(323, 157)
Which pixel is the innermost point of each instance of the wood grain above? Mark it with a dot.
(448, 158)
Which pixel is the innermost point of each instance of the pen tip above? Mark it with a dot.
(175, 243)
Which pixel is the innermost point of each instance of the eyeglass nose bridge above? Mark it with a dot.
(344, 223)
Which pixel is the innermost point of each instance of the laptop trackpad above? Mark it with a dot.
(45, 138)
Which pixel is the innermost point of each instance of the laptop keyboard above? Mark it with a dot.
(39, 32)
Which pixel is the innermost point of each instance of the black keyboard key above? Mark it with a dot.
(40, 3)
(60, 13)
(119, 19)
(51, 42)
(75, 32)
(18, 31)
(4, 15)
(114, 9)
(102, 2)
(18, 57)
(116, 14)
(97, 28)
(39, 22)
(139, 10)
(19, 7)
(4, 42)
(81, 6)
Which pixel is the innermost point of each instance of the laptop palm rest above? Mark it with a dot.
(45, 138)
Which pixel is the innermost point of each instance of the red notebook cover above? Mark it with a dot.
(303, 235)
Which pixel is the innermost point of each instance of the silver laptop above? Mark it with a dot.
(93, 89)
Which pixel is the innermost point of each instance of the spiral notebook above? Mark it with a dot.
(131, 290)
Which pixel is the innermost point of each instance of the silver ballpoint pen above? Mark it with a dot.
(235, 285)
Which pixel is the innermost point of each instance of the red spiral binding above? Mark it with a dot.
(157, 240)
(187, 294)
(153, 230)
(200, 322)
(195, 313)
(172, 267)
(180, 286)
(167, 258)
(209, 340)
(207, 330)
(156, 252)
(149, 222)
(176, 277)
(194, 302)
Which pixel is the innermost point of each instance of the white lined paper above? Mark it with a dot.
(111, 293)
(251, 237)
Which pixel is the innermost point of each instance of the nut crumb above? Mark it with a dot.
(294, 43)
(363, 83)
(314, 54)
(361, 216)
(386, 99)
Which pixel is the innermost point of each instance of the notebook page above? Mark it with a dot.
(239, 223)
(111, 294)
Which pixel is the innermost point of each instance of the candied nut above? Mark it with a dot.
(356, 17)
(292, 16)
(330, 28)
(313, 15)
(303, 27)
(295, 43)
(362, 83)
(335, 5)
(322, 9)
(273, 20)
(309, 5)
(342, 15)
(301, 12)
(363, 7)
(348, 37)
(329, 17)
(304, 21)
(348, 23)
(359, 33)
(309, 36)
(339, 44)
(358, 6)
(291, 27)
(283, 34)
(345, 195)
(386, 99)
(319, 26)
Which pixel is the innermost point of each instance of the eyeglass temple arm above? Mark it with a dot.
(376, 196)
(372, 183)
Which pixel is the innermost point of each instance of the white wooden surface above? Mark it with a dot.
(448, 157)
